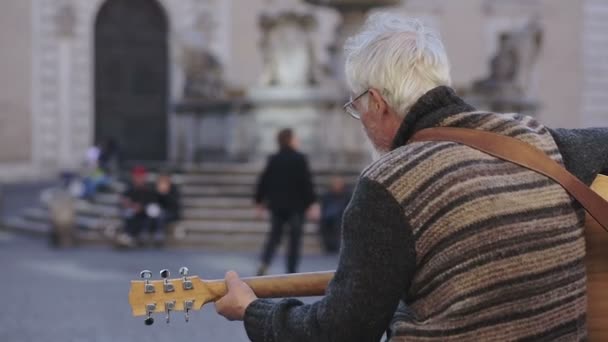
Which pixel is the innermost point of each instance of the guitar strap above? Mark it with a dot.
(523, 154)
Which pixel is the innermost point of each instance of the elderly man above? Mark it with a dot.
(441, 241)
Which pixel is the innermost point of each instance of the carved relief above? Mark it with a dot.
(288, 50)
(511, 68)
(65, 20)
(203, 73)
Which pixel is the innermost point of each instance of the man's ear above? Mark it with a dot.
(376, 103)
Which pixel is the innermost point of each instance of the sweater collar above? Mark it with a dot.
(429, 111)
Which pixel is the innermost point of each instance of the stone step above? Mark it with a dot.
(83, 222)
(217, 202)
(43, 229)
(214, 190)
(242, 214)
(22, 225)
(223, 236)
(183, 228)
(210, 239)
(226, 168)
(217, 210)
(110, 211)
(246, 191)
(186, 227)
(256, 168)
(188, 201)
(244, 179)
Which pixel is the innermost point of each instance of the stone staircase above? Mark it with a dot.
(217, 210)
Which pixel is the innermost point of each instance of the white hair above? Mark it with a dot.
(399, 57)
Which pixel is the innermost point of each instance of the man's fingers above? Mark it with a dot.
(232, 278)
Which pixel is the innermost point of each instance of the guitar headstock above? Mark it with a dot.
(187, 293)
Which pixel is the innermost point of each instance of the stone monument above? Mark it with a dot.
(202, 120)
(294, 91)
(287, 49)
(352, 14)
(203, 73)
(508, 86)
(290, 93)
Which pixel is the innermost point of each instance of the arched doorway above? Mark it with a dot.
(131, 78)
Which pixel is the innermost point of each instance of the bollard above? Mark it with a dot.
(63, 217)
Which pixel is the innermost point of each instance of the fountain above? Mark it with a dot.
(291, 92)
(294, 91)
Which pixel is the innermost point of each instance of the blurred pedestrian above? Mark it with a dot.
(92, 176)
(109, 157)
(333, 204)
(168, 207)
(134, 203)
(286, 189)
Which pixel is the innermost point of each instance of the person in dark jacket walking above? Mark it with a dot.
(285, 188)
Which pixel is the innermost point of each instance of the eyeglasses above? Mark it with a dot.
(349, 107)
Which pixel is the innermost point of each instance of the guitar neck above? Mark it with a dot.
(279, 286)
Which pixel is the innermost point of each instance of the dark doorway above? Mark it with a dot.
(131, 78)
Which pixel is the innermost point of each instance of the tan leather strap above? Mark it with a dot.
(523, 154)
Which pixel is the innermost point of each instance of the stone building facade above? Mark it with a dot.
(48, 110)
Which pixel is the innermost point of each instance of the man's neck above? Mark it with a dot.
(430, 110)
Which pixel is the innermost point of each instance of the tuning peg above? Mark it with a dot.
(149, 310)
(188, 305)
(165, 273)
(169, 306)
(186, 283)
(167, 286)
(146, 275)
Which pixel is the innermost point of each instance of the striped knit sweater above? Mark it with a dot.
(449, 243)
(499, 248)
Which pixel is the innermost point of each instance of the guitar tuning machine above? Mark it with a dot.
(146, 275)
(186, 283)
(150, 308)
(169, 306)
(167, 286)
(188, 305)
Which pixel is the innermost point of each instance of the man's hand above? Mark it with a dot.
(237, 299)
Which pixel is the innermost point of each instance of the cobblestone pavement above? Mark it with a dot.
(81, 294)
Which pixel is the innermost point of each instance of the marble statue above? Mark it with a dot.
(504, 67)
(287, 50)
(203, 73)
(528, 42)
(511, 69)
